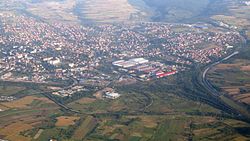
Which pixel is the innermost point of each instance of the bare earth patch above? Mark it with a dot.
(204, 131)
(226, 66)
(242, 96)
(99, 94)
(246, 100)
(245, 68)
(66, 120)
(3, 108)
(12, 131)
(232, 90)
(24, 102)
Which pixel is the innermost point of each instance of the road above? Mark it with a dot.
(216, 94)
(206, 83)
(149, 103)
(49, 96)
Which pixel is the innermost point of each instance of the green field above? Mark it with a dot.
(157, 111)
(232, 78)
(87, 125)
(10, 90)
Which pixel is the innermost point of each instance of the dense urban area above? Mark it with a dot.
(35, 51)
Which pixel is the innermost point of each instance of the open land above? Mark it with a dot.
(232, 78)
(20, 118)
(66, 120)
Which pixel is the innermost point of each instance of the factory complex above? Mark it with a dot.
(143, 69)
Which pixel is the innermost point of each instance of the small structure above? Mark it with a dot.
(111, 95)
(55, 61)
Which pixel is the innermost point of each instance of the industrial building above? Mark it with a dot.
(111, 95)
(130, 63)
(143, 69)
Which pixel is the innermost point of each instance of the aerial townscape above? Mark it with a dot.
(38, 52)
(124, 70)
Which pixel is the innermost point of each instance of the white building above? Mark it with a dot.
(139, 60)
(130, 63)
(247, 3)
(111, 95)
(56, 61)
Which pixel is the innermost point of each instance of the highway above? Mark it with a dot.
(206, 83)
(216, 94)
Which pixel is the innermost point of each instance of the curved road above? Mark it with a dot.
(206, 83)
(216, 94)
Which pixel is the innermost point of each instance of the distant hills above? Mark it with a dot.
(176, 10)
(103, 11)
(148, 10)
